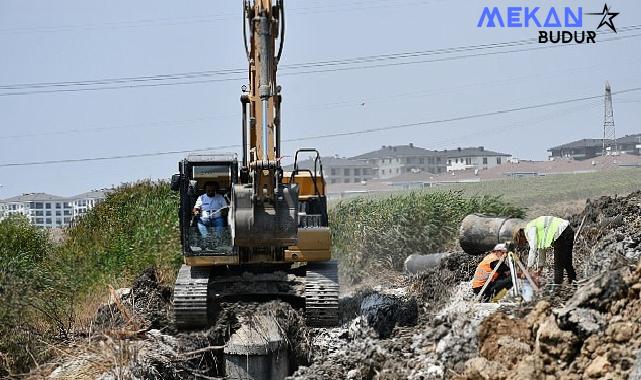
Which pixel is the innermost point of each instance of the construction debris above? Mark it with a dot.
(425, 326)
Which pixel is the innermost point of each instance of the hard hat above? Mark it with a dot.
(500, 248)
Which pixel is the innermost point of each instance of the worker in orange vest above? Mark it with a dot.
(501, 278)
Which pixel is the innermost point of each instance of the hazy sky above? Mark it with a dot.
(80, 40)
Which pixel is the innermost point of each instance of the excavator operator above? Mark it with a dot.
(208, 208)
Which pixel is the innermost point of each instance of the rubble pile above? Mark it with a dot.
(608, 234)
(145, 304)
(442, 338)
(133, 337)
(426, 326)
(595, 332)
(595, 335)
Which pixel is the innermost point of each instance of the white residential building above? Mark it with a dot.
(473, 158)
(42, 210)
(86, 201)
(391, 161)
(50, 211)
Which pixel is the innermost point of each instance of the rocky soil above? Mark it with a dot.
(593, 332)
(415, 327)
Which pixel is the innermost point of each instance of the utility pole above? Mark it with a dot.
(609, 133)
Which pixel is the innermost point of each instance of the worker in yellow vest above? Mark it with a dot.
(542, 234)
(500, 279)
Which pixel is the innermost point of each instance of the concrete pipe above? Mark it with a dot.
(479, 233)
(416, 263)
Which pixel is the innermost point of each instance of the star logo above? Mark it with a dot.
(607, 18)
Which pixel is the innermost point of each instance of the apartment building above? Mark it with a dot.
(50, 211)
(86, 201)
(42, 210)
(340, 170)
(589, 148)
(473, 158)
(391, 161)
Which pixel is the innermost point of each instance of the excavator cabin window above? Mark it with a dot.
(209, 231)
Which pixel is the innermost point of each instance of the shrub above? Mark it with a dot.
(24, 285)
(43, 287)
(134, 228)
(369, 233)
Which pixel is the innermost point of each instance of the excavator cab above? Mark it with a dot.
(194, 172)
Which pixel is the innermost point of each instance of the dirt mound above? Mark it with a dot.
(434, 286)
(595, 334)
(608, 234)
(145, 305)
(577, 333)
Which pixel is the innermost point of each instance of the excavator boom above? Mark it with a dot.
(265, 213)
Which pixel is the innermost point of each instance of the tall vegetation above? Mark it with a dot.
(43, 286)
(137, 226)
(370, 233)
(24, 286)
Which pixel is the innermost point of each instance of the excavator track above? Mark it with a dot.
(321, 294)
(195, 289)
(230, 285)
(190, 297)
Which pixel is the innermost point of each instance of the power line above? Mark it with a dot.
(357, 102)
(537, 120)
(222, 72)
(115, 127)
(445, 59)
(170, 21)
(332, 135)
(356, 63)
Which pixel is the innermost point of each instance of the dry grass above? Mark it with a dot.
(90, 359)
(95, 350)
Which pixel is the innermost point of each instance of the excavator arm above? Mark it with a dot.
(264, 208)
(265, 24)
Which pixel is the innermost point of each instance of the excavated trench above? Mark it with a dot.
(269, 339)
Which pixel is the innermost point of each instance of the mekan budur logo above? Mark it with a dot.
(550, 18)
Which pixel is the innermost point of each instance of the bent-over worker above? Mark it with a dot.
(543, 233)
(501, 278)
(208, 207)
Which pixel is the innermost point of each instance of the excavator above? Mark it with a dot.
(275, 242)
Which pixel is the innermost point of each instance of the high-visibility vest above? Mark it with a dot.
(546, 229)
(483, 271)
